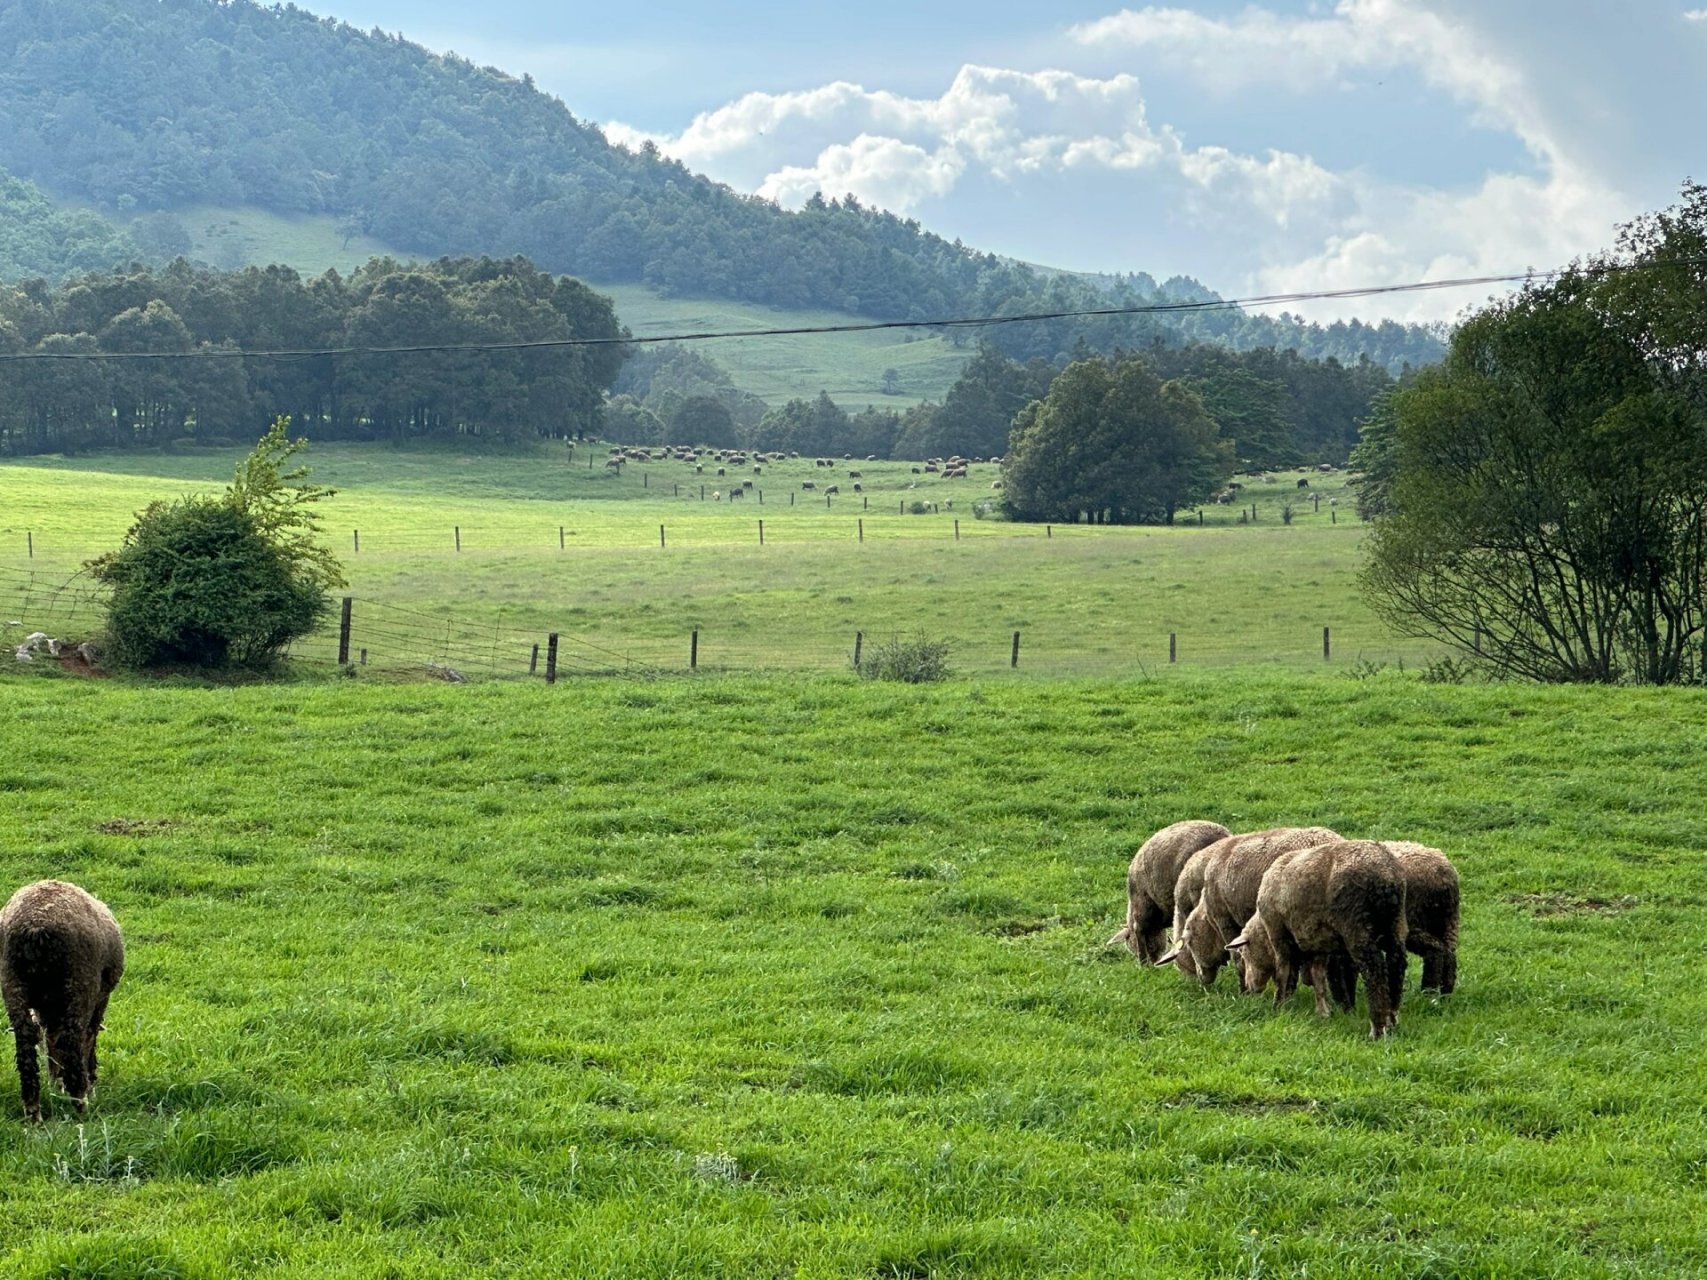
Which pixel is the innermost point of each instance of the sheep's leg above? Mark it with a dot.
(27, 1036)
(1318, 981)
(1448, 971)
(1395, 979)
(1371, 964)
(96, 1019)
(1342, 981)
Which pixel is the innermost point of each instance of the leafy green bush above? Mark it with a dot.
(913, 660)
(196, 583)
(222, 582)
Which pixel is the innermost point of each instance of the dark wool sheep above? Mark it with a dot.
(1431, 912)
(1150, 884)
(1348, 896)
(1232, 872)
(61, 955)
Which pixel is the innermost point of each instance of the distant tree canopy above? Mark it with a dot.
(148, 105)
(38, 239)
(193, 320)
(1112, 443)
(1543, 493)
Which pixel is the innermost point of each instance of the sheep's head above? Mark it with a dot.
(1256, 948)
(1198, 952)
(1128, 937)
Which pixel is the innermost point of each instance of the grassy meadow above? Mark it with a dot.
(738, 975)
(745, 977)
(551, 543)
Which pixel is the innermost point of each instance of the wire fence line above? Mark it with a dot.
(500, 644)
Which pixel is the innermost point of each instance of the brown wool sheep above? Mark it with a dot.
(1347, 896)
(1231, 872)
(61, 955)
(1431, 918)
(1150, 884)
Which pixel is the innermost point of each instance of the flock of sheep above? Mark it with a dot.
(1284, 904)
(1291, 903)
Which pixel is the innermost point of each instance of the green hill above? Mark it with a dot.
(143, 107)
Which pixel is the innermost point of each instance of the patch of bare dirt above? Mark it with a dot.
(136, 826)
(1567, 904)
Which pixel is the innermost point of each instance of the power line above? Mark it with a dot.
(965, 322)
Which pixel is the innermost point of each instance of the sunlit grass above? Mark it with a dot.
(751, 977)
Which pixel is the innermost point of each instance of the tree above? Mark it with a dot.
(222, 582)
(1548, 495)
(1112, 443)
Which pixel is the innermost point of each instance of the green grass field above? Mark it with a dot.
(551, 544)
(740, 977)
(849, 366)
(781, 973)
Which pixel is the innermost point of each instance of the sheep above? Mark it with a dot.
(1431, 918)
(1150, 884)
(1347, 896)
(61, 955)
(1231, 873)
(1431, 912)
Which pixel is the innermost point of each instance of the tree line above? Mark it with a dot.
(190, 323)
(1269, 409)
(149, 106)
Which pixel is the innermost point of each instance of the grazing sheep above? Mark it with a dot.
(1346, 896)
(1150, 884)
(1431, 918)
(61, 955)
(1231, 873)
(1431, 912)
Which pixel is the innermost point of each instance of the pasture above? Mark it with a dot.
(748, 975)
(551, 544)
(755, 977)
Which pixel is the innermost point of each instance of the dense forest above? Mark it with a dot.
(144, 357)
(141, 107)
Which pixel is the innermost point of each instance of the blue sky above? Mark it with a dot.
(1258, 147)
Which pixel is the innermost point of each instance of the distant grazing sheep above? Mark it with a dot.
(1231, 873)
(1150, 884)
(1344, 897)
(61, 955)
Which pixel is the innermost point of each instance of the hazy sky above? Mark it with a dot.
(1258, 147)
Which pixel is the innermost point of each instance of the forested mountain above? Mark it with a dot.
(38, 239)
(151, 105)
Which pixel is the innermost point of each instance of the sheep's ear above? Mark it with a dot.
(1236, 943)
(1123, 936)
(1168, 958)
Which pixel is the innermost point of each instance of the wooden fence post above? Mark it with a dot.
(356, 540)
(1173, 647)
(1326, 650)
(533, 662)
(761, 533)
(859, 642)
(957, 528)
(693, 651)
(459, 537)
(344, 633)
(30, 542)
(1333, 517)
(1048, 531)
(862, 528)
(1014, 661)
(551, 658)
(560, 537)
(660, 536)
(364, 657)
